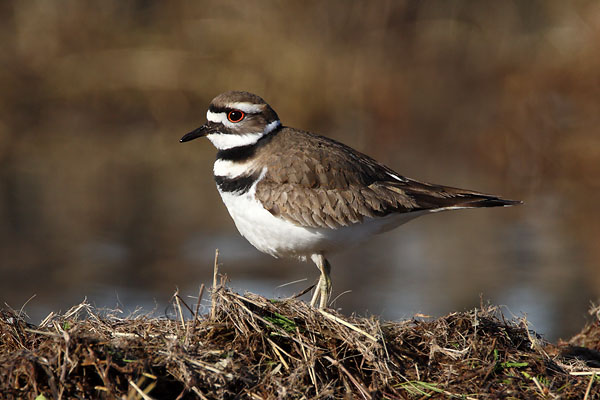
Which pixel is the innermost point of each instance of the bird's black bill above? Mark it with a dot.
(196, 133)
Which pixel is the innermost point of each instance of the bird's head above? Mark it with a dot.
(236, 119)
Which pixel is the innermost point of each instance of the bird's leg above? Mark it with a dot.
(326, 284)
(315, 297)
(323, 288)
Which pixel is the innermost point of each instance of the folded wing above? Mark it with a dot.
(321, 183)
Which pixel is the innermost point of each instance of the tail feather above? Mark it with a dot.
(436, 197)
(492, 201)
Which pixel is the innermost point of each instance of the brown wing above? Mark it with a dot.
(315, 182)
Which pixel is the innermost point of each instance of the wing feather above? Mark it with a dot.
(317, 182)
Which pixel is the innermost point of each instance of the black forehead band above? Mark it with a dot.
(214, 109)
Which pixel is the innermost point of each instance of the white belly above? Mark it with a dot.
(281, 238)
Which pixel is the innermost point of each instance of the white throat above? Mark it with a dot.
(223, 141)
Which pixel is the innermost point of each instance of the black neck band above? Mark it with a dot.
(242, 153)
(239, 184)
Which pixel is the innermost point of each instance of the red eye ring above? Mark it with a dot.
(235, 116)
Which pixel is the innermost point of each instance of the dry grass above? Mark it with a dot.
(253, 347)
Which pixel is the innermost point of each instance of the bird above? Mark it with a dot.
(296, 194)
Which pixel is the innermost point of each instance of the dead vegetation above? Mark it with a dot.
(256, 348)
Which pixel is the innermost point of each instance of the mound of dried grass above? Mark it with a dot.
(252, 347)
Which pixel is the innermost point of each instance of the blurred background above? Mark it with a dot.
(99, 200)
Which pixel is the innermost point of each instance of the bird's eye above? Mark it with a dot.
(235, 116)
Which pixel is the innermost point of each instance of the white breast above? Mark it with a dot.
(280, 238)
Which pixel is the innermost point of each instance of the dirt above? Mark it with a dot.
(252, 347)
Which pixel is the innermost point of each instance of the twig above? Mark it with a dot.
(37, 332)
(261, 319)
(277, 351)
(340, 295)
(140, 391)
(311, 369)
(197, 310)
(22, 310)
(47, 320)
(302, 293)
(207, 366)
(179, 310)
(186, 305)
(67, 338)
(192, 328)
(213, 308)
(361, 388)
(291, 283)
(589, 387)
(537, 383)
(130, 335)
(103, 374)
(593, 371)
(199, 393)
(347, 324)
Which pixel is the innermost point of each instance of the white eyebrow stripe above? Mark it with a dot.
(247, 107)
(221, 118)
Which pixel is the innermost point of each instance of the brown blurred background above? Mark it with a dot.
(98, 198)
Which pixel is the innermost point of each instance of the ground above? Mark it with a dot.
(252, 347)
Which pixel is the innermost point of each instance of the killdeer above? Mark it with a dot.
(292, 193)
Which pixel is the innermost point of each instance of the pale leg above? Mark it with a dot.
(323, 288)
(317, 293)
